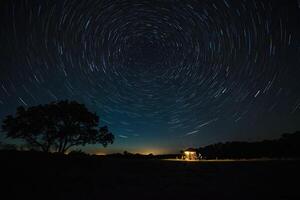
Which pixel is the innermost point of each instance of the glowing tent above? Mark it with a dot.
(190, 154)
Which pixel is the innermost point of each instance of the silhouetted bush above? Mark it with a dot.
(78, 153)
(8, 147)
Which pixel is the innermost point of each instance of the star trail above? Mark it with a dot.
(163, 75)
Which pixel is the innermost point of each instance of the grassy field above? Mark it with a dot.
(62, 177)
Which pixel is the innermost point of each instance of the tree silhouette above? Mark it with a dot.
(56, 126)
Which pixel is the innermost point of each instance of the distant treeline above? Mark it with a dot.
(287, 146)
(129, 155)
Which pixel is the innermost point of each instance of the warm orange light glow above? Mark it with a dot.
(100, 153)
(190, 155)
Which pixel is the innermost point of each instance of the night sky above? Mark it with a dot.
(163, 75)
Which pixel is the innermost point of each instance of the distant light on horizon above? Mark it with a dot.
(141, 150)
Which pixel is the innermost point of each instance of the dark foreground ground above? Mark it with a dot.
(38, 176)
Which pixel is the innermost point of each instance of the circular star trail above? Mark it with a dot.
(159, 70)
